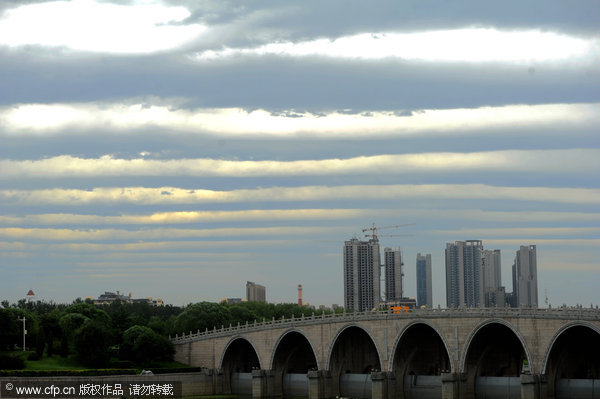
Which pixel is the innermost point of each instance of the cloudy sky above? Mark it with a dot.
(180, 148)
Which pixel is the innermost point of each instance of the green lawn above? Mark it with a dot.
(57, 362)
(54, 363)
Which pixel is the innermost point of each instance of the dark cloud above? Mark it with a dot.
(276, 83)
(312, 19)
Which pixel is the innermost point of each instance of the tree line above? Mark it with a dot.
(121, 334)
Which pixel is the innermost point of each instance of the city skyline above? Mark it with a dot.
(391, 275)
(184, 148)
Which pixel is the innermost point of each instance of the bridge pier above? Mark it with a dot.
(319, 384)
(530, 386)
(220, 384)
(450, 385)
(263, 384)
(383, 385)
(379, 385)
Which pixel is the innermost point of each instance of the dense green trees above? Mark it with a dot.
(92, 341)
(201, 316)
(133, 332)
(11, 329)
(143, 345)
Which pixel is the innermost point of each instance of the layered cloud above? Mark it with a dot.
(471, 45)
(51, 234)
(181, 148)
(183, 217)
(262, 215)
(26, 119)
(522, 232)
(547, 161)
(175, 195)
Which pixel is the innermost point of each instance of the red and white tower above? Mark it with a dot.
(30, 297)
(299, 294)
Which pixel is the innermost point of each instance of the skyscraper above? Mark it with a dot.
(393, 274)
(464, 280)
(361, 274)
(492, 278)
(424, 294)
(255, 292)
(525, 290)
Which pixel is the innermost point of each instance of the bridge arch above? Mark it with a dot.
(558, 334)
(572, 361)
(419, 356)
(294, 341)
(476, 333)
(353, 355)
(354, 330)
(239, 353)
(431, 332)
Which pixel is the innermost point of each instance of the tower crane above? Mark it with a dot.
(374, 229)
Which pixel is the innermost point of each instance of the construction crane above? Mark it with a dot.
(374, 229)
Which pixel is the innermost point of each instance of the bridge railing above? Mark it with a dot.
(574, 313)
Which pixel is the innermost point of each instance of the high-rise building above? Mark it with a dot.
(525, 289)
(392, 258)
(492, 278)
(255, 292)
(424, 294)
(464, 279)
(361, 274)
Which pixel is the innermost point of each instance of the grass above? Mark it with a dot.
(170, 365)
(54, 363)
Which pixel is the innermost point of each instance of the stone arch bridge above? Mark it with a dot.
(425, 353)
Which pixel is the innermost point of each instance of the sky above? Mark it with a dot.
(178, 149)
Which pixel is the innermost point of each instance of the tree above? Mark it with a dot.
(90, 311)
(70, 323)
(51, 326)
(157, 325)
(151, 347)
(144, 346)
(241, 314)
(129, 339)
(201, 316)
(92, 341)
(11, 329)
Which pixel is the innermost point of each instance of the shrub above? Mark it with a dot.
(92, 341)
(9, 362)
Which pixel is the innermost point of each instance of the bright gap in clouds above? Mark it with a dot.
(87, 25)
(177, 195)
(457, 45)
(543, 161)
(52, 118)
